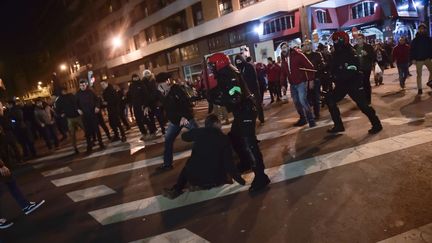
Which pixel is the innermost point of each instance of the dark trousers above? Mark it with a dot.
(123, 117)
(141, 120)
(403, 73)
(173, 131)
(275, 90)
(62, 126)
(101, 123)
(26, 141)
(367, 85)
(15, 191)
(114, 121)
(356, 92)
(49, 135)
(91, 129)
(314, 97)
(159, 114)
(250, 157)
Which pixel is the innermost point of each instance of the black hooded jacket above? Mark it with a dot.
(211, 158)
(112, 99)
(345, 66)
(138, 93)
(177, 105)
(249, 75)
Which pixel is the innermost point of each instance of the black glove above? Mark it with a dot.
(239, 180)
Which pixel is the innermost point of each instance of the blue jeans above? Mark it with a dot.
(15, 192)
(299, 96)
(403, 73)
(171, 134)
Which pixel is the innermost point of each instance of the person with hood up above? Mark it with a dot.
(155, 100)
(138, 97)
(89, 107)
(112, 101)
(345, 68)
(300, 73)
(421, 54)
(249, 75)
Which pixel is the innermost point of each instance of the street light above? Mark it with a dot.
(259, 29)
(117, 42)
(40, 83)
(63, 67)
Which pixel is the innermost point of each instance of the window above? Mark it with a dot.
(278, 24)
(245, 3)
(137, 41)
(191, 72)
(197, 14)
(173, 56)
(189, 52)
(363, 9)
(218, 42)
(225, 6)
(322, 16)
(149, 34)
(237, 36)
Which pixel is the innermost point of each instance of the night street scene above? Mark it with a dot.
(223, 121)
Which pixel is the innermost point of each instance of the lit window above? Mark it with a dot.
(363, 9)
(225, 6)
(278, 24)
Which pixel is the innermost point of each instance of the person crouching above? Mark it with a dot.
(210, 162)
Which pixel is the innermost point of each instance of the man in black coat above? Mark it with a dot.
(139, 99)
(421, 53)
(249, 75)
(88, 105)
(210, 162)
(112, 101)
(179, 113)
(66, 106)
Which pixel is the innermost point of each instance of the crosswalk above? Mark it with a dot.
(157, 203)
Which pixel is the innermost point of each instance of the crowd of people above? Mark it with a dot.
(315, 78)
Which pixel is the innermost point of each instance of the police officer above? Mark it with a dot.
(348, 80)
(233, 94)
(112, 101)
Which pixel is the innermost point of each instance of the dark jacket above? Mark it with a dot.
(177, 105)
(318, 62)
(112, 99)
(211, 158)
(67, 104)
(249, 75)
(367, 60)
(138, 93)
(293, 73)
(87, 101)
(339, 65)
(421, 47)
(154, 95)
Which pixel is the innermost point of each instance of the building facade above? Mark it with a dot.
(115, 38)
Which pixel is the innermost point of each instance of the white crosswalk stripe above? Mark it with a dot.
(181, 235)
(156, 204)
(421, 234)
(89, 193)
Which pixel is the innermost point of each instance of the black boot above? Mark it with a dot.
(336, 129)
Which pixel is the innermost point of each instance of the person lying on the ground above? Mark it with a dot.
(211, 160)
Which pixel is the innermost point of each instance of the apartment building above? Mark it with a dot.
(115, 38)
